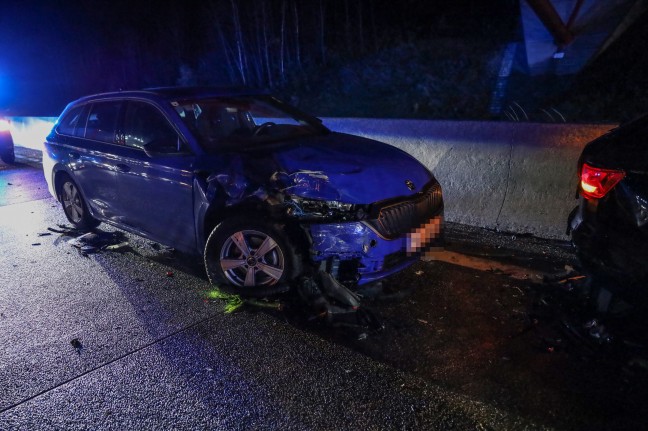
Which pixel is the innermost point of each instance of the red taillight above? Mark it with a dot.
(596, 182)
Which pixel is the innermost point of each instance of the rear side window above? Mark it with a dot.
(102, 121)
(70, 121)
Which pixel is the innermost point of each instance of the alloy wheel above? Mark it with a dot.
(72, 203)
(251, 258)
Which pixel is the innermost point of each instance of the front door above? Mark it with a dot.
(156, 196)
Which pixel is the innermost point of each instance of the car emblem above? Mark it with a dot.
(410, 185)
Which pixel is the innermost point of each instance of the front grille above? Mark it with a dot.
(395, 218)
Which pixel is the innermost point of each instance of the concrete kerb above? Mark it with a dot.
(517, 177)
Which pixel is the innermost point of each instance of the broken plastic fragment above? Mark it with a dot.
(77, 345)
(233, 302)
(116, 246)
(274, 305)
(85, 239)
(335, 290)
(87, 249)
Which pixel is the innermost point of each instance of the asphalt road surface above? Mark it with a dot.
(130, 339)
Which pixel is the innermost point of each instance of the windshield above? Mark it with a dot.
(243, 121)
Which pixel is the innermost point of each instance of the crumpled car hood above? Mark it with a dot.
(350, 169)
(335, 167)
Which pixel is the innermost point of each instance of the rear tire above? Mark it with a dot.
(74, 206)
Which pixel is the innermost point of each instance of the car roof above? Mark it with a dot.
(201, 92)
(176, 93)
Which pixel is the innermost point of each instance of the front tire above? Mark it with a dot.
(74, 205)
(251, 256)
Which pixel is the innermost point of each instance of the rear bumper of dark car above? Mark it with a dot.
(609, 242)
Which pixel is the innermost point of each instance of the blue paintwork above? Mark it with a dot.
(358, 170)
(356, 240)
(167, 198)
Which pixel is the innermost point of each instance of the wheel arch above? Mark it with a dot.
(295, 232)
(59, 174)
(292, 261)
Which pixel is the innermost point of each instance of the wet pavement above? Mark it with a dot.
(23, 181)
(129, 339)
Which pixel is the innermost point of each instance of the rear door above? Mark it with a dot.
(90, 151)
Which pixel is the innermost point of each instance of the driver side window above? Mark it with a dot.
(144, 125)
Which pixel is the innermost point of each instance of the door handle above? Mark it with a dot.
(123, 168)
(74, 155)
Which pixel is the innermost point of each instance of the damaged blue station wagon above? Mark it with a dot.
(264, 192)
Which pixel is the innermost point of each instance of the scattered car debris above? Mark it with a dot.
(333, 303)
(597, 324)
(324, 298)
(66, 230)
(91, 242)
(88, 249)
(116, 247)
(36, 243)
(83, 240)
(232, 302)
(76, 343)
(44, 233)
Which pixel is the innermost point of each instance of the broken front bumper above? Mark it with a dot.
(358, 247)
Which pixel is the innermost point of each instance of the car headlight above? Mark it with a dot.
(324, 210)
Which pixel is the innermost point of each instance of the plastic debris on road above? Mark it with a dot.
(76, 343)
(90, 242)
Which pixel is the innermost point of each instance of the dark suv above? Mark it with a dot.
(263, 191)
(6, 142)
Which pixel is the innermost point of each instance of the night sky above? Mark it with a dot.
(54, 51)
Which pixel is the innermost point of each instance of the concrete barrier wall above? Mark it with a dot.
(30, 132)
(517, 177)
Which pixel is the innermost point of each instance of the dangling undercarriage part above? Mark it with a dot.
(334, 303)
